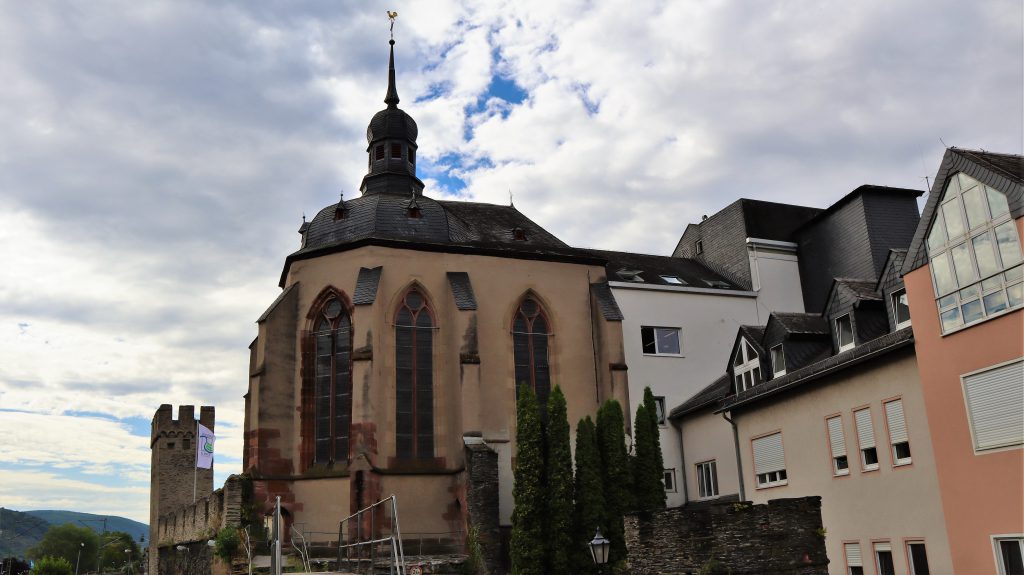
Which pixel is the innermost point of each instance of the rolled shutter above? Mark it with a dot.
(853, 555)
(865, 430)
(836, 439)
(768, 454)
(883, 547)
(995, 403)
(897, 422)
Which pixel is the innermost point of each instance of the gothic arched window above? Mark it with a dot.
(414, 378)
(530, 349)
(332, 387)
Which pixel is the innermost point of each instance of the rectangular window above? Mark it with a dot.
(837, 442)
(769, 461)
(883, 559)
(844, 332)
(659, 409)
(995, 406)
(900, 309)
(396, 150)
(699, 247)
(854, 562)
(674, 280)
(660, 340)
(1010, 554)
(707, 479)
(866, 440)
(670, 480)
(918, 558)
(412, 155)
(378, 152)
(186, 444)
(897, 432)
(778, 361)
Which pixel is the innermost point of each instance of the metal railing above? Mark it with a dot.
(366, 540)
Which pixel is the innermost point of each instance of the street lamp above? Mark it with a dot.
(77, 559)
(129, 552)
(599, 550)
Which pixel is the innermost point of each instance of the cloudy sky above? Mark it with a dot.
(156, 159)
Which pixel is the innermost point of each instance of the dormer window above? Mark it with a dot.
(378, 152)
(519, 235)
(340, 213)
(718, 284)
(844, 332)
(746, 367)
(674, 280)
(900, 309)
(699, 247)
(974, 252)
(778, 361)
(414, 212)
(629, 275)
(396, 151)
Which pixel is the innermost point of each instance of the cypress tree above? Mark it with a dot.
(559, 493)
(649, 490)
(658, 484)
(589, 495)
(527, 545)
(615, 476)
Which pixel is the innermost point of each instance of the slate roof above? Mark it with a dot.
(864, 189)
(893, 261)
(462, 290)
(775, 221)
(710, 395)
(794, 323)
(861, 289)
(606, 301)
(1005, 172)
(864, 352)
(277, 301)
(650, 268)
(366, 286)
(754, 334)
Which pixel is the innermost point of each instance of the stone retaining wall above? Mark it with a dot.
(191, 526)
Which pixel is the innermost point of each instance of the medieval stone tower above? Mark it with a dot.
(173, 465)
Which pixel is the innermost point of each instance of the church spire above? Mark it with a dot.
(392, 97)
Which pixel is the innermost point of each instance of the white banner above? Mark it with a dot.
(204, 447)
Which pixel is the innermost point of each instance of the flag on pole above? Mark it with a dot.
(204, 447)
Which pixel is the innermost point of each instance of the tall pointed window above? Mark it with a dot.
(414, 378)
(332, 391)
(530, 347)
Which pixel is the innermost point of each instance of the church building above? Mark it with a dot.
(405, 326)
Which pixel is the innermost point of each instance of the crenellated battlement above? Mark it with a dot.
(165, 425)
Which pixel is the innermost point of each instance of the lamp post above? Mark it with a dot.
(79, 558)
(599, 550)
(129, 552)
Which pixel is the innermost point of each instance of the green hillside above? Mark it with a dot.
(114, 523)
(19, 531)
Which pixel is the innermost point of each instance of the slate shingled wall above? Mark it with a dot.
(782, 537)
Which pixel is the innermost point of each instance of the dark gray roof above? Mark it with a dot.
(606, 301)
(462, 290)
(860, 190)
(864, 352)
(774, 221)
(892, 271)
(366, 286)
(1004, 172)
(753, 334)
(624, 265)
(862, 289)
(710, 395)
(794, 323)
(277, 301)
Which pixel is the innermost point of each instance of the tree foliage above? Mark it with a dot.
(647, 465)
(527, 545)
(48, 565)
(659, 459)
(66, 541)
(589, 505)
(615, 476)
(559, 493)
(113, 556)
(226, 544)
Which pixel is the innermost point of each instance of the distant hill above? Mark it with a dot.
(19, 531)
(114, 523)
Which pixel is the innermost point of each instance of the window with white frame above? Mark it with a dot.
(746, 367)
(707, 479)
(659, 409)
(900, 308)
(844, 332)
(769, 461)
(660, 340)
(866, 439)
(674, 280)
(837, 443)
(918, 558)
(1010, 554)
(669, 478)
(883, 559)
(974, 254)
(854, 561)
(995, 405)
(897, 424)
(778, 361)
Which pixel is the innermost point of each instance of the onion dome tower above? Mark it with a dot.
(391, 146)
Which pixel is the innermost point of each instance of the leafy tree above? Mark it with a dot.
(615, 477)
(226, 544)
(113, 556)
(558, 526)
(589, 507)
(647, 466)
(527, 545)
(66, 541)
(52, 566)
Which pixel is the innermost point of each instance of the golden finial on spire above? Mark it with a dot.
(391, 17)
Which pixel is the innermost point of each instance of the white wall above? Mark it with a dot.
(775, 274)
